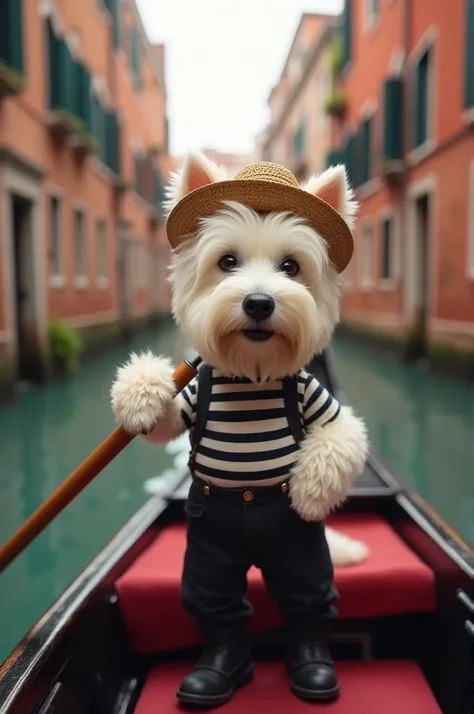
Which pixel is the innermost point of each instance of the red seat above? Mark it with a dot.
(391, 581)
(366, 688)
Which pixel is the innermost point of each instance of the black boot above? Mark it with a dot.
(225, 664)
(310, 664)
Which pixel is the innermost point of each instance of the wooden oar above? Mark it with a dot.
(80, 478)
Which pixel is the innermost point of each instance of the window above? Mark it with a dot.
(299, 141)
(80, 247)
(393, 119)
(346, 31)
(469, 56)
(322, 96)
(140, 264)
(422, 101)
(372, 13)
(113, 142)
(387, 249)
(363, 162)
(366, 256)
(135, 55)
(99, 126)
(55, 249)
(11, 34)
(102, 266)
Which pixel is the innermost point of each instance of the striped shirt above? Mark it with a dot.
(247, 437)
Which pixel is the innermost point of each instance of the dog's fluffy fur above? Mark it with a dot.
(207, 305)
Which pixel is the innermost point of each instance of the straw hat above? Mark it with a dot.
(265, 187)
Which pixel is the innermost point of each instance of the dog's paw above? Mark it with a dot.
(344, 550)
(142, 392)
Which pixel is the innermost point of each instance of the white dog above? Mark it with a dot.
(255, 279)
(234, 252)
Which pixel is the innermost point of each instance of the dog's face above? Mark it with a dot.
(255, 295)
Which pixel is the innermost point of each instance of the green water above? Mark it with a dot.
(43, 437)
(422, 424)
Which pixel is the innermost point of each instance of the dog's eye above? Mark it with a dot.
(228, 262)
(290, 267)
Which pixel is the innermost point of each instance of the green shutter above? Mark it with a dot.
(99, 126)
(469, 56)
(67, 78)
(348, 157)
(299, 141)
(11, 34)
(63, 74)
(160, 195)
(386, 253)
(138, 173)
(113, 142)
(135, 50)
(84, 95)
(346, 21)
(54, 56)
(421, 100)
(365, 147)
(393, 119)
(333, 157)
(114, 6)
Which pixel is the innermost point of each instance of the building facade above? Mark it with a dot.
(403, 111)
(83, 159)
(299, 131)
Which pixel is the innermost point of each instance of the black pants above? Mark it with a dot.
(230, 530)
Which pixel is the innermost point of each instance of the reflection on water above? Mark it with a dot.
(43, 437)
(422, 424)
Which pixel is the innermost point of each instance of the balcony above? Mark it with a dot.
(83, 144)
(392, 158)
(336, 106)
(12, 77)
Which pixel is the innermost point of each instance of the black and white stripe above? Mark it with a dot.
(247, 438)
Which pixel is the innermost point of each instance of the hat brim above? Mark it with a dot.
(263, 197)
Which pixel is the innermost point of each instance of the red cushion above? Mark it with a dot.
(391, 581)
(366, 688)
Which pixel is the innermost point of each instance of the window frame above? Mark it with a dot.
(81, 280)
(102, 280)
(56, 279)
(366, 282)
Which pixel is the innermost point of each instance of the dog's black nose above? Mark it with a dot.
(258, 306)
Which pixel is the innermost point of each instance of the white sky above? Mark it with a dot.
(222, 60)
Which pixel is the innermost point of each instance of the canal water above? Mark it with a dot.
(423, 426)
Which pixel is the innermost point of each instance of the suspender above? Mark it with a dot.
(204, 393)
(290, 396)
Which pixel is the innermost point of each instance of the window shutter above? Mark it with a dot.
(469, 56)
(11, 34)
(421, 100)
(346, 21)
(54, 56)
(393, 119)
(113, 156)
(113, 6)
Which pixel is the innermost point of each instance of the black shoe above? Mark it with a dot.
(225, 664)
(311, 668)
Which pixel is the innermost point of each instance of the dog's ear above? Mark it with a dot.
(333, 187)
(196, 171)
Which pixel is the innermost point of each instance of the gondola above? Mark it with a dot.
(118, 640)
